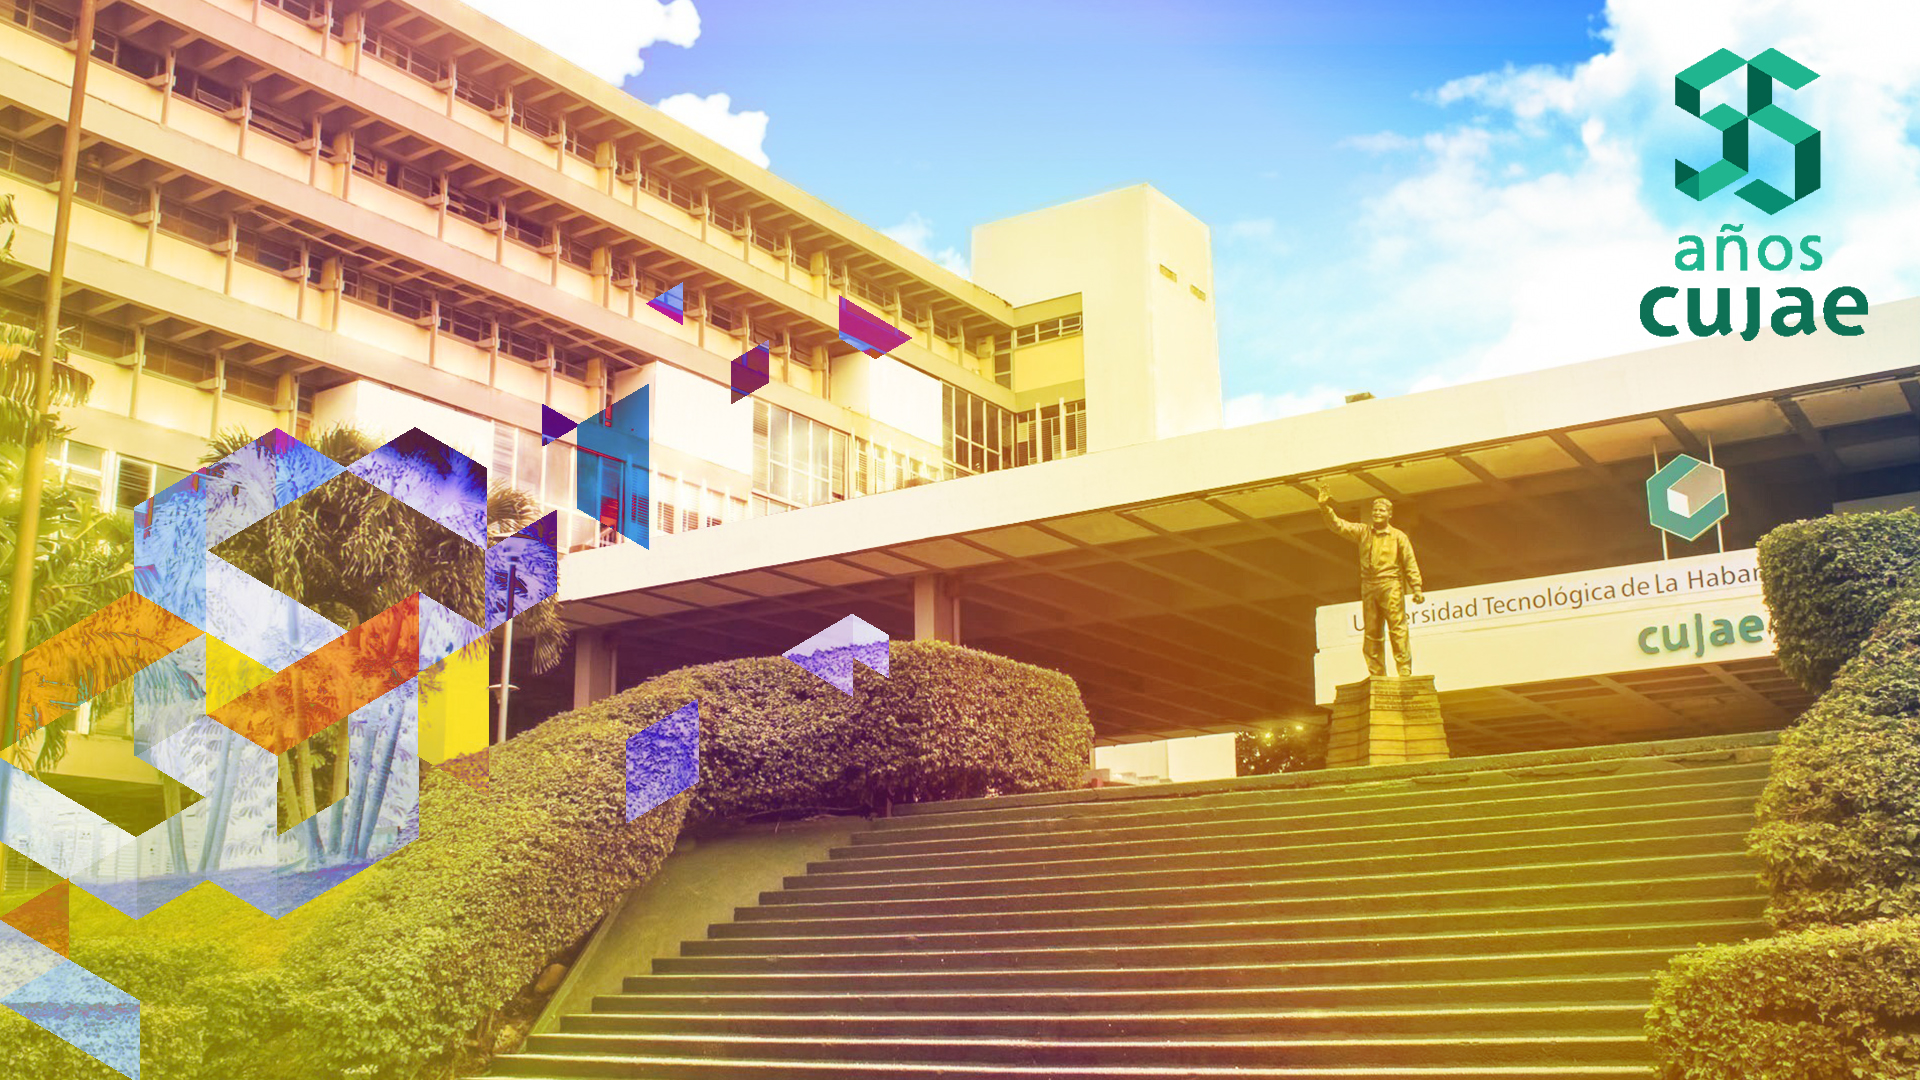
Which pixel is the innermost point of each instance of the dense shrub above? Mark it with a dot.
(1829, 580)
(1834, 1003)
(947, 723)
(1839, 821)
(173, 1035)
(395, 977)
(449, 928)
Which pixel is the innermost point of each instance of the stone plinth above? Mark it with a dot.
(1385, 721)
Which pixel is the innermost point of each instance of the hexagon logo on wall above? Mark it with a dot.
(1686, 497)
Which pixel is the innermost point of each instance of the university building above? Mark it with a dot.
(294, 214)
(402, 214)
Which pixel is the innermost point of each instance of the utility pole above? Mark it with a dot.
(506, 658)
(33, 473)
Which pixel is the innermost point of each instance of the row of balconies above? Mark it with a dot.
(432, 203)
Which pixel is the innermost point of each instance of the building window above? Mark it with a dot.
(1197, 291)
(865, 290)
(978, 435)
(28, 161)
(171, 361)
(407, 303)
(1168, 274)
(1035, 333)
(185, 222)
(403, 55)
(683, 506)
(881, 468)
(249, 384)
(398, 175)
(477, 94)
(135, 61)
(1052, 432)
(465, 204)
(278, 256)
(77, 465)
(136, 480)
(200, 90)
(796, 461)
(283, 126)
(526, 230)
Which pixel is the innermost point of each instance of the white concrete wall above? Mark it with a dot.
(1169, 761)
(698, 417)
(385, 413)
(1530, 630)
(1152, 357)
(890, 392)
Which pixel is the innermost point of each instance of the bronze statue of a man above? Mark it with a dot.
(1388, 575)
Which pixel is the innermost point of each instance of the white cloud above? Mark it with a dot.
(1380, 142)
(917, 233)
(1522, 236)
(603, 36)
(1243, 409)
(744, 133)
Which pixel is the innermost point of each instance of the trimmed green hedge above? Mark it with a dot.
(396, 974)
(1839, 821)
(1835, 1003)
(167, 976)
(451, 927)
(1829, 580)
(948, 723)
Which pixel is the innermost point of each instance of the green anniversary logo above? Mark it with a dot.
(1795, 312)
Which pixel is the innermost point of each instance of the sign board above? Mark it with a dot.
(1673, 613)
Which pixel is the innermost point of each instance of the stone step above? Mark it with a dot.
(1347, 1053)
(1282, 834)
(903, 836)
(797, 920)
(570, 1067)
(1488, 771)
(1245, 884)
(1146, 931)
(1671, 935)
(1679, 836)
(1623, 990)
(1439, 794)
(1593, 1019)
(1120, 975)
(1474, 920)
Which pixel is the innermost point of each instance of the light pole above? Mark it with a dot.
(33, 470)
(26, 536)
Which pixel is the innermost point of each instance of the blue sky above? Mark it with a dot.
(1401, 193)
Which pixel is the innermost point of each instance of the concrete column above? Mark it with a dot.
(594, 667)
(936, 608)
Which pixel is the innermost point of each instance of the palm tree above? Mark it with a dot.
(348, 551)
(82, 558)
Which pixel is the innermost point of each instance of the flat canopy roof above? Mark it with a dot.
(1176, 580)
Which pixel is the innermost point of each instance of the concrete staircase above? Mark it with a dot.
(1495, 917)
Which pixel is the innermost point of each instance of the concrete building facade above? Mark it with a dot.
(399, 213)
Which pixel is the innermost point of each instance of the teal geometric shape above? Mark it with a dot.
(1735, 127)
(1686, 497)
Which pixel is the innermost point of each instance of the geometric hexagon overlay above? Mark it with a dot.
(1686, 497)
(213, 719)
(663, 759)
(832, 652)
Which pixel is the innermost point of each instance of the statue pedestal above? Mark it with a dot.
(1386, 721)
